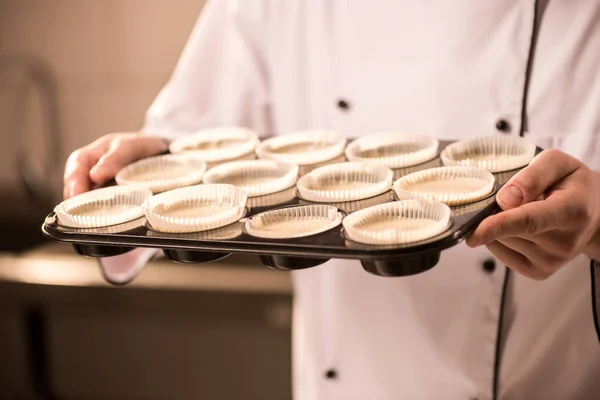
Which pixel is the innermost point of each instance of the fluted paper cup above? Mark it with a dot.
(256, 178)
(103, 207)
(393, 149)
(217, 144)
(343, 182)
(399, 222)
(273, 199)
(162, 173)
(451, 185)
(294, 222)
(492, 153)
(195, 208)
(303, 148)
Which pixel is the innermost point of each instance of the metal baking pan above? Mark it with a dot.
(286, 254)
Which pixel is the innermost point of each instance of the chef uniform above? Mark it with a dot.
(467, 329)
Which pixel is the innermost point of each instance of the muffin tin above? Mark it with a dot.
(291, 253)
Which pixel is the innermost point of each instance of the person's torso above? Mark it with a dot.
(451, 70)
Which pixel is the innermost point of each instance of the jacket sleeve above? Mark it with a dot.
(220, 79)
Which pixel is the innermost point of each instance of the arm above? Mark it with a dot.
(221, 77)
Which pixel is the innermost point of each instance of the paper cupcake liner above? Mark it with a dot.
(256, 178)
(273, 199)
(103, 207)
(195, 208)
(393, 149)
(162, 173)
(492, 153)
(294, 222)
(217, 144)
(400, 172)
(137, 223)
(227, 232)
(303, 148)
(305, 169)
(399, 222)
(245, 157)
(472, 207)
(351, 206)
(343, 182)
(450, 185)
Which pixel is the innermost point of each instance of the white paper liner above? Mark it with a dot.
(294, 222)
(195, 208)
(493, 153)
(119, 228)
(399, 222)
(226, 232)
(162, 173)
(248, 156)
(343, 182)
(400, 172)
(303, 148)
(256, 178)
(352, 206)
(273, 199)
(305, 169)
(450, 185)
(103, 207)
(217, 144)
(393, 149)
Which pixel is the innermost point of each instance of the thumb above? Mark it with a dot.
(545, 171)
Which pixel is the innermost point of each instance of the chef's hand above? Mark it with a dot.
(99, 162)
(551, 213)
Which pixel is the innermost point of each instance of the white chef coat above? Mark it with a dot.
(450, 69)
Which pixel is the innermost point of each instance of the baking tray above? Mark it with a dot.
(287, 254)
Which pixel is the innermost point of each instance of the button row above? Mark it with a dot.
(502, 125)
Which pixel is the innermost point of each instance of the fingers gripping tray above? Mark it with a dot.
(291, 230)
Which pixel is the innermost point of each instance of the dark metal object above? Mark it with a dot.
(287, 254)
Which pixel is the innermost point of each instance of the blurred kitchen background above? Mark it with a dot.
(71, 71)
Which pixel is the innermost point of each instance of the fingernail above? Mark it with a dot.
(473, 243)
(511, 196)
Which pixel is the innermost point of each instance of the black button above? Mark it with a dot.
(343, 104)
(489, 265)
(503, 126)
(331, 374)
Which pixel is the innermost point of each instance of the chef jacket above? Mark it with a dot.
(468, 328)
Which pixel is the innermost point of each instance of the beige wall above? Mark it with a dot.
(111, 57)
